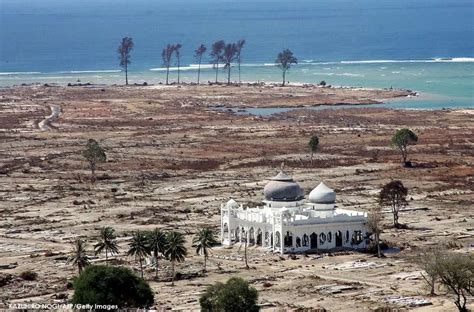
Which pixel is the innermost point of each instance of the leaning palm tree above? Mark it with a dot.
(175, 250)
(156, 243)
(139, 248)
(107, 242)
(79, 257)
(203, 242)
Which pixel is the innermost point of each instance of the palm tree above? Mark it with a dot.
(139, 248)
(203, 241)
(198, 53)
(177, 47)
(216, 54)
(166, 55)
(107, 242)
(156, 243)
(79, 257)
(175, 250)
(228, 56)
(239, 46)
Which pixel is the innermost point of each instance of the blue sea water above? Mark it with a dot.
(424, 45)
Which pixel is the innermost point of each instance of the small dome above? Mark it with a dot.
(231, 204)
(283, 188)
(322, 194)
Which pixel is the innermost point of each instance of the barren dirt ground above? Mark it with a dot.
(172, 161)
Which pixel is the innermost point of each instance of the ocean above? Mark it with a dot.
(422, 45)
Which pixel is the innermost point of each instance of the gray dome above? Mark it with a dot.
(322, 194)
(283, 188)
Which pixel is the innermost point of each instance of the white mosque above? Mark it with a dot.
(288, 223)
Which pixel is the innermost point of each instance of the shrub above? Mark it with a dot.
(107, 285)
(28, 275)
(235, 295)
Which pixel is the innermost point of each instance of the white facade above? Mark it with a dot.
(288, 223)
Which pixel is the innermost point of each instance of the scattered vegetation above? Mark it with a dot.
(94, 154)
(124, 50)
(28, 275)
(107, 242)
(284, 61)
(313, 146)
(175, 250)
(108, 285)
(401, 139)
(204, 240)
(198, 54)
(79, 257)
(235, 295)
(374, 223)
(139, 248)
(393, 194)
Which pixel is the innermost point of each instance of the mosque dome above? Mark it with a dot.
(322, 194)
(283, 188)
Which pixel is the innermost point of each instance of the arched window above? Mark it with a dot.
(322, 238)
(289, 239)
(298, 242)
(347, 236)
(329, 237)
(356, 237)
(305, 240)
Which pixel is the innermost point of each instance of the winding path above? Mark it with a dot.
(45, 124)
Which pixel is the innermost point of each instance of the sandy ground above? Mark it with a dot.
(173, 159)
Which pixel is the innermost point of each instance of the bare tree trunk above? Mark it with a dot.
(141, 267)
(217, 69)
(126, 74)
(167, 73)
(377, 241)
(106, 259)
(284, 75)
(228, 75)
(178, 70)
(156, 267)
(199, 69)
(205, 258)
(240, 81)
(245, 255)
(172, 272)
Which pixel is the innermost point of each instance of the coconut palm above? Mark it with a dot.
(79, 257)
(156, 243)
(107, 242)
(198, 53)
(203, 242)
(175, 250)
(139, 247)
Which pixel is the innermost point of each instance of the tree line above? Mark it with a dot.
(220, 53)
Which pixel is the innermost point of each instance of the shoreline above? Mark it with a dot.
(246, 94)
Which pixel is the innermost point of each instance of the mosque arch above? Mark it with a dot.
(237, 234)
(288, 240)
(322, 238)
(329, 237)
(226, 229)
(313, 240)
(252, 236)
(356, 237)
(347, 236)
(298, 242)
(338, 239)
(259, 237)
(277, 239)
(305, 240)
